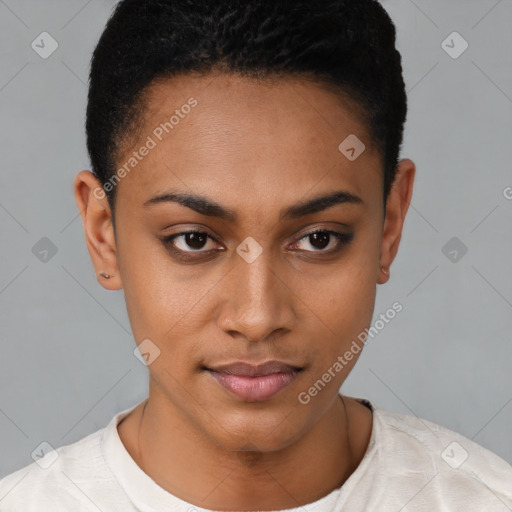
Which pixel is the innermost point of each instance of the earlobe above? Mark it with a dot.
(383, 275)
(99, 233)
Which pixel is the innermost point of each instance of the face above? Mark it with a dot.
(227, 255)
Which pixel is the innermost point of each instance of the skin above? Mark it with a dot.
(255, 148)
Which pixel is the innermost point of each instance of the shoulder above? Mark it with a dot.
(454, 466)
(67, 476)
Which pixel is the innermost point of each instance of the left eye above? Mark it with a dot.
(320, 239)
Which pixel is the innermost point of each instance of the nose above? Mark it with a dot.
(257, 302)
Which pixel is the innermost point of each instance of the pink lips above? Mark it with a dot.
(254, 383)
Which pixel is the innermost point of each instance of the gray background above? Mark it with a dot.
(67, 363)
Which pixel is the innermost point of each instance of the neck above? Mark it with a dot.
(188, 465)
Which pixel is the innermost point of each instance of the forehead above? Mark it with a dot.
(218, 132)
(234, 104)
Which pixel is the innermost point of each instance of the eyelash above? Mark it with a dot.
(342, 239)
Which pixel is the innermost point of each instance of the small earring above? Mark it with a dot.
(106, 276)
(384, 270)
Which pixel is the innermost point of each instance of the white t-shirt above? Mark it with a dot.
(410, 464)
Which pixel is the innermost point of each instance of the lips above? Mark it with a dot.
(250, 370)
(254, 383)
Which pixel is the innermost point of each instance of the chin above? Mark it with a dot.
(257, 430)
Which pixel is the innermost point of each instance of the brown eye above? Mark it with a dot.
(321, 239)
(189, 241)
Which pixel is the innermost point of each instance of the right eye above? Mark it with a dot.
(194, 240)
(186, 243)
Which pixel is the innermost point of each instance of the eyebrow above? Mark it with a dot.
(208, 207)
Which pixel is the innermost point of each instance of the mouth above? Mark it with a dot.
(254, 383)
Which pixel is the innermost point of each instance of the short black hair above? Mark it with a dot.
(346, 45)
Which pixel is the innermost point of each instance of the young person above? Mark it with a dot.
(248, 196)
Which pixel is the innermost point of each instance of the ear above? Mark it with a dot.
(396, 209)
(99, 233)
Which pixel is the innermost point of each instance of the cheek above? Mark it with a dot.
(165, 306)
(160, 295)
(342, 305)
(345, 310)
(344, 293)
